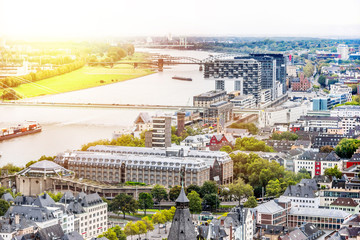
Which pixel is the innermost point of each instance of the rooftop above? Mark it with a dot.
(346, 202)
(269, 207)
(319, 212)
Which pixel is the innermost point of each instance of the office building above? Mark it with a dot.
(242, 75)
(218, 113)
(339, 89)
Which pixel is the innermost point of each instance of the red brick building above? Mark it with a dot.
(219, 140)
(301, 84)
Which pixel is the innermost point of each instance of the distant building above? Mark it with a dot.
(340, 89)
(242, 75)
(148, 165)
(302, 195)
(343, 50)
(325, 219)
(345, 204)
(244, 101)
(291, 70)
(218, 113)
(180, 123)
(301, 84)
(265, 96)
(143, 122)
(208, 98)
(160, 135)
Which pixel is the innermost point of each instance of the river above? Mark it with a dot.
(68, 128)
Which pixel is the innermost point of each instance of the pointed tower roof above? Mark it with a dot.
(182, 197)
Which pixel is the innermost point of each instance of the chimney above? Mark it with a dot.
(17, 219)
(230, 231)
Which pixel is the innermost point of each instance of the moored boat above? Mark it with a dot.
(27, 128)
(182, 78)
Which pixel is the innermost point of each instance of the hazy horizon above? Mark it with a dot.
(65, 20)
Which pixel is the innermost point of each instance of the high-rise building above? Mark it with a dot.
(242, 75)
(160, 136)
(280, 67)
(268, 72)
(343, 50)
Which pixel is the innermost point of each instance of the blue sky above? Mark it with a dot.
(106, 18)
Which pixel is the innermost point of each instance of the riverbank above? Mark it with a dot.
(86, 77)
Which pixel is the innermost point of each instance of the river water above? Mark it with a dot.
(69, 128)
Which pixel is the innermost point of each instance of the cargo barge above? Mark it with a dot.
(20, 130)
(182, 78)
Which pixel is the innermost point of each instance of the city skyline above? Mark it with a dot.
(78, 20)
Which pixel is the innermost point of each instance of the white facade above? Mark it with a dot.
(344, 51)
(244, 101)
(346, 111)
(302, 201)
(339, 88)
(94, 221)
(279, 89)
(284, 114)
(246, 231)
(309, 165)
(266, 95)
(66, 220)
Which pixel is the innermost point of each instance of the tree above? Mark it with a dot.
(168, 216)
(251, 144)
(284, 136)
(322, 80)
(346, 147)
(251, 202)
(56, 197)
(149, 224)
(120, 234)
(193, 187)
(10, 168)
(145, 201)
(333, 172)
(212, 200)
(124, 203)
(131, 229)
(4, 206)
(142, 227)
(208, 187)
(308, 69)
(159, 218)
(194, 202)
(251, 127)
(174, 193)
(109, 234)
(326, 149)
(226, 148)
(123, 140)
(239, 190)
(273, 188)
(159, 193)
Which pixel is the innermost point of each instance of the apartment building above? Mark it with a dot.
(90, 213)
(345, 111)
(160, 135)
(316, 163)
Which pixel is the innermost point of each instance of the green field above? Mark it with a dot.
(85, 77)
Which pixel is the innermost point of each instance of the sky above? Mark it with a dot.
(72, 19)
